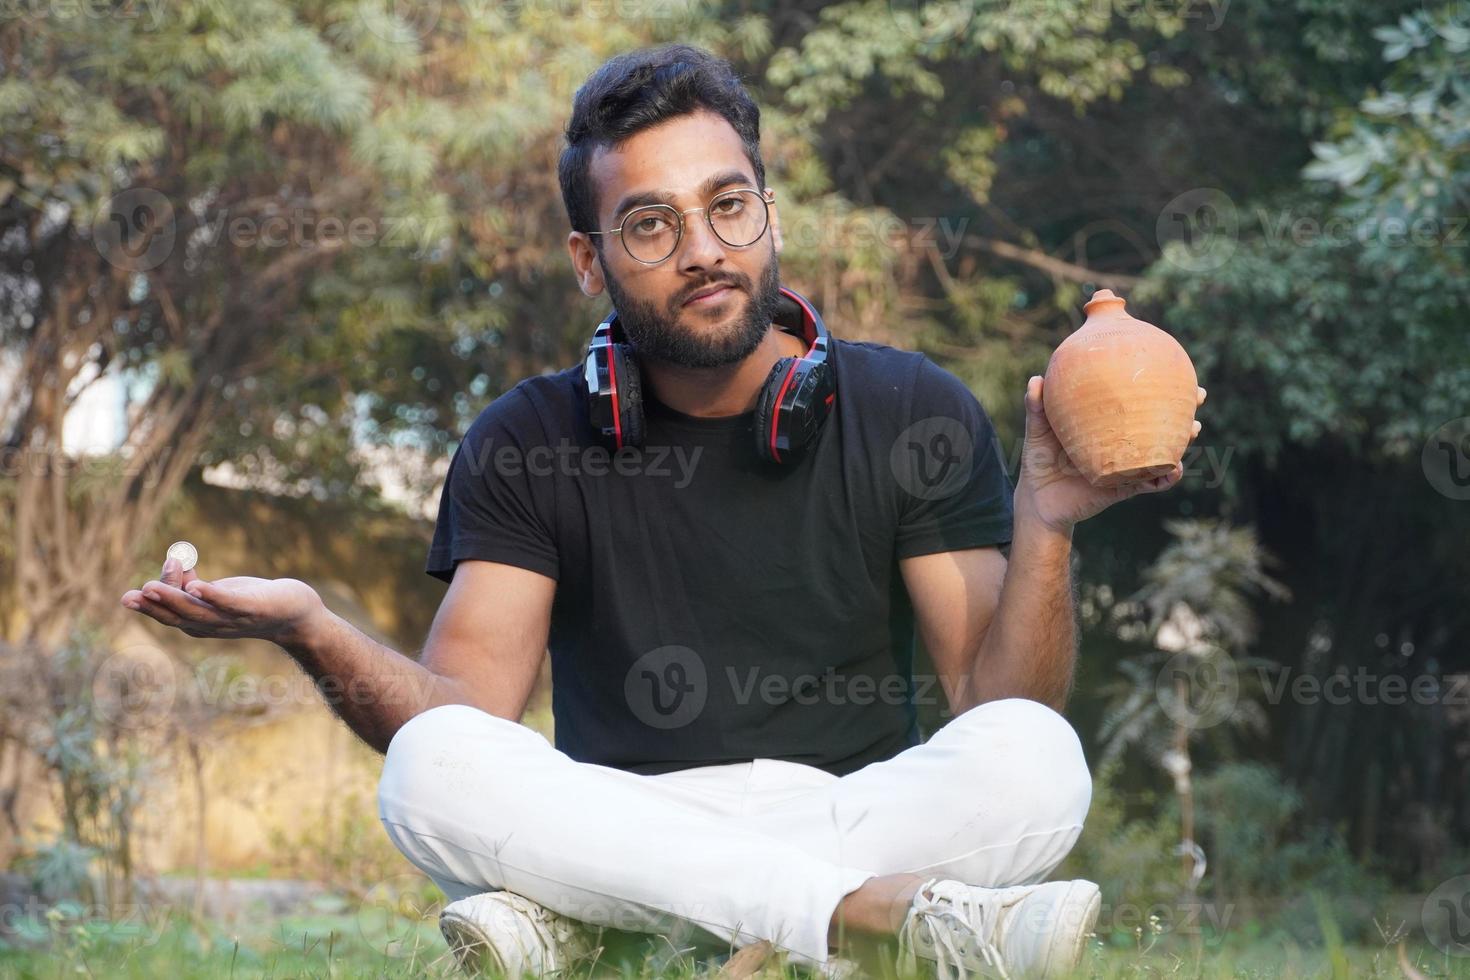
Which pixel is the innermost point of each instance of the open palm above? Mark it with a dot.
(228, 608)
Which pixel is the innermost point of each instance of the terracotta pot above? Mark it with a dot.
(1120, 395)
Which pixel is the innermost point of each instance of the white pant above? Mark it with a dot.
(745, 851)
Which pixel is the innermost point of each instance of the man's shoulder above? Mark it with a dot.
(537, 404)
(869, 355)
(909, 377)
(877, 369)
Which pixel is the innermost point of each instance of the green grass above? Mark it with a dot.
(322, 945)
(363, 942)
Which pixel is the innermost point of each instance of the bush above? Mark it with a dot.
(1262, 855)
(1132, 860)
(1265, 869)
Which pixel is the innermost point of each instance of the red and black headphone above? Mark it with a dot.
(794, 400)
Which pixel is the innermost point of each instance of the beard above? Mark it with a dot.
(656, 333)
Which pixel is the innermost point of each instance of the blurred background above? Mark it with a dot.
(261, 263)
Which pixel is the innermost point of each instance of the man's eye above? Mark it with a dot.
(650, 225)
(728, 205)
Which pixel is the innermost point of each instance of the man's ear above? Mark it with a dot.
(585, 262)
(775, 220)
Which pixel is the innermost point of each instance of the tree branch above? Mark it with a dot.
(1050, 264)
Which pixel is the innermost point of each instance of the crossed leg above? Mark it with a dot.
(997, 797)
(750, 851)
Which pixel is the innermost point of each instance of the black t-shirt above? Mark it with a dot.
(711, 607)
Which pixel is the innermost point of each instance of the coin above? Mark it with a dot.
(185, 552)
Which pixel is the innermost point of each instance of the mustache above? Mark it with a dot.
(737, 281)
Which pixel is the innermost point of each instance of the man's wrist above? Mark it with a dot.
(307, 635)
(1025, 515)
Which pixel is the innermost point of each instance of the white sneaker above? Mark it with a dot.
(512, 936)
(840, 968)
(1025, 931)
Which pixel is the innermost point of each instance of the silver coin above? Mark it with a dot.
(185, 552)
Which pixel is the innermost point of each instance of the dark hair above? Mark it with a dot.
(639, 90)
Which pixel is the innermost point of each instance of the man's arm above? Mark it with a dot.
(1007, 629)
(997, 629)
(484, 648)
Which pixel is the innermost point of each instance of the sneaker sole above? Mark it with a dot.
(472, 949)
(1081, 904)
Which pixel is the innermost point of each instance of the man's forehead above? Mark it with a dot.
(675, 157)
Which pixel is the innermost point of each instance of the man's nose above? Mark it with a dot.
(701, 248)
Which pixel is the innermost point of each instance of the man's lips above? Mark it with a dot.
(711, 294)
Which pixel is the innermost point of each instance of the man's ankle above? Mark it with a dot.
(875, 908)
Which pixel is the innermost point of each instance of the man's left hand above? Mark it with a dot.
(1052, 490)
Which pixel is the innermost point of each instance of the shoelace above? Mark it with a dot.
(554, 931)
(938, 915)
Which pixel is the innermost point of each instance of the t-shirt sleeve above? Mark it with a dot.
(494, 506)
(953, 488)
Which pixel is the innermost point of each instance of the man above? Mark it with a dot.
(729, 600)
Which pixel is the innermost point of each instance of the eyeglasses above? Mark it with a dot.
(653, 232)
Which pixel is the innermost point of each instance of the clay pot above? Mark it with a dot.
(1120, 395)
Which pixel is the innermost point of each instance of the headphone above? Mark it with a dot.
(794, 400)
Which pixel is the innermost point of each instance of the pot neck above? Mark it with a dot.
(1104, 303)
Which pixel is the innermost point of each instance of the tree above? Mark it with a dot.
(1195, 609)
(1333, 315)
(266, 219)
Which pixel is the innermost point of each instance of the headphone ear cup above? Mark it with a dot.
(630, 395)
(765, 408)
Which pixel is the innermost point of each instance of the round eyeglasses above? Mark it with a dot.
(653, 232)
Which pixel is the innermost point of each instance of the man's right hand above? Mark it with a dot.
(280, 610)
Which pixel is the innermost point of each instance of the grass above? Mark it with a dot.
(325, 944)
(340, 941)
